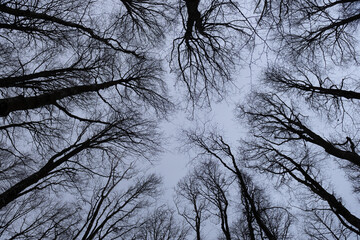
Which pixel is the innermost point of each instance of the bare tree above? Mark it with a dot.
(162, 224)
(262, 218)
(82, 91)
(324, 225)
(112, 211)
(77, 91)
(309, 28)
(305, 118)
(190, 204)
(39, 217)
(204, 55)
(287, 147)
(110, 140)
(115, 212)
(215, 189)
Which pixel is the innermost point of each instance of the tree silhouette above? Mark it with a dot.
(162, 224)
(205, 54)
(304, 118)
(83, 88)
(307, 29)
(285, 146)
(262, 218)
(190, 204)
(78, 92)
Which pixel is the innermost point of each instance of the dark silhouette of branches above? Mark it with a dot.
(204, 56)
(262, 218)
(305, 173)
(206, 189)
(162, 224)
(190, 204)
(39, 217)
(115, 212)
(307, 28)
(280, 123)
(333, 95)
(214, 188)
(79, 98)
(322, 225)
(111, 140)
(284, 144)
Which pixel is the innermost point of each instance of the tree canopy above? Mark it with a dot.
(85, 84)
